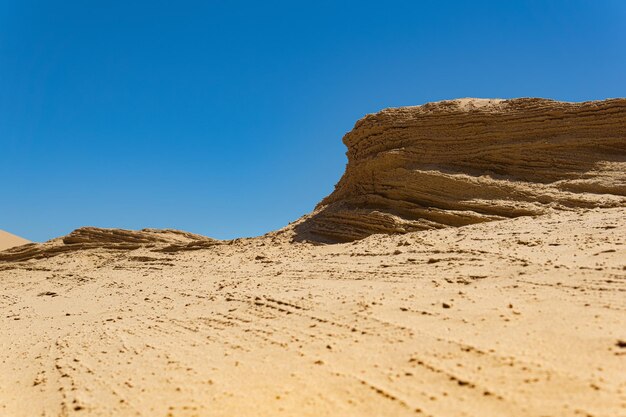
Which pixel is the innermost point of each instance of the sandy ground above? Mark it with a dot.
(524, 317)
(8, 240)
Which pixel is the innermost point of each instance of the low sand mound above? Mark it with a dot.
(459, 162)
(8, 240)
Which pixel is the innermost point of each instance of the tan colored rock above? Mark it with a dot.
(459, 162)
(166, 240)
(103, 236)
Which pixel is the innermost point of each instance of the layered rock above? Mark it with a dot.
(450, 163)
(158, 240)
(459, 162)
(100, 236)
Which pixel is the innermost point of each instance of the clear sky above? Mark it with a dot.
(225, 118)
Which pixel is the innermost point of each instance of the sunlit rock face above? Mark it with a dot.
(459, 162)
(90, 238)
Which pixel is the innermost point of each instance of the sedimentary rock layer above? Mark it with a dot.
(119, 236)
(454, 163)
(159, 240)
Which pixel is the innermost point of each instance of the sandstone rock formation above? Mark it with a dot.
(459, 162)
(161, 240)
(450, 163)
(99, 236)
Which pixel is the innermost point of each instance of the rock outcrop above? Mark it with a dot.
(450, 163)
(459, 162)
(100, 236)
(158, 240)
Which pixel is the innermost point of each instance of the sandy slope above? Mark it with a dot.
(523, 317)
(8, 240)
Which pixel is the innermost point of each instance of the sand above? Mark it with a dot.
(8, 240)
(523, 317)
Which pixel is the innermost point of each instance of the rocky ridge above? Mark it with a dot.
(465, 161)
(158, 240)
(449, 163)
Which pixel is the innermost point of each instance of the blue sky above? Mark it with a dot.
(225, 117)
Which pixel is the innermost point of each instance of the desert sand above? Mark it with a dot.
(471, 262)
(8, 240)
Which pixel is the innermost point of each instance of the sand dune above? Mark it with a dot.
(8, 240)
(443, 313)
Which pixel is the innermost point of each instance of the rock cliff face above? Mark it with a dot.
(454, 163)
